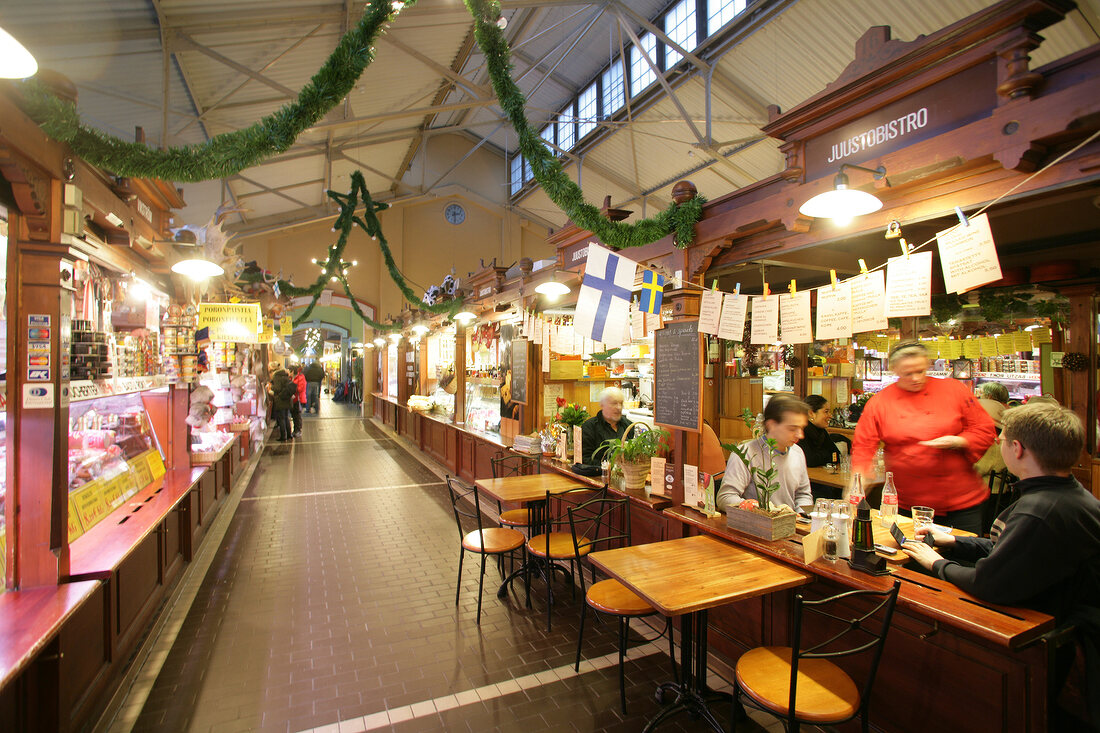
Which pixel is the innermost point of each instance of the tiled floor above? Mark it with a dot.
(329, 605)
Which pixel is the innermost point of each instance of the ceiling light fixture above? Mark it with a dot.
(197, 268)
(464, 317)
(842, 202)
(552, 288)
(16, 62)
(419, 329)
(380, 341)
(395, 337)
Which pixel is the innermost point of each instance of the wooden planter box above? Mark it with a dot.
(761, 525)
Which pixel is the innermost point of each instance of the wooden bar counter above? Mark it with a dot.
(950, 660)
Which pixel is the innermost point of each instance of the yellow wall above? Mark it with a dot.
(424, 245)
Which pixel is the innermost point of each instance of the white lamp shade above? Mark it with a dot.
(465, 316)
(16, 62)
(197, 269)
(840, 203)
(552, 288)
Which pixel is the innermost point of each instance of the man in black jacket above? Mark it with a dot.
(315, 374)
(1043, 552)
(282, 390)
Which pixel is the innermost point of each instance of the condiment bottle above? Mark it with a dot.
(840, 517)
(862, 534)
(830, 539)
(889, 508)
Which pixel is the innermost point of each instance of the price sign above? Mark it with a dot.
(90, 505)
(75, 529)
(156, 464)
(142, 473)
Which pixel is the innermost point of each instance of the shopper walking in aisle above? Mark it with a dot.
(315, 374)
(283, 391)
(934, 432)
(299, 401)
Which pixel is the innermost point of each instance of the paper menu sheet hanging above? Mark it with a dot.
(868, 302)
(550, 393)
(834, 311)
(765, 320)
(968, 255)
(578, 451)
(909, 285)
(794, 317)
(710, 310)
(731, 326)
(693, 495)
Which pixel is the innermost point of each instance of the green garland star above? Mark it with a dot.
(229, 153)
(333, 267)
(678, 219)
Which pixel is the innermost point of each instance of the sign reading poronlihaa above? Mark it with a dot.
(968, 255)
(240, 322)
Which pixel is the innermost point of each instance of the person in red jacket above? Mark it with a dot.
(299, 380)
(934, 431)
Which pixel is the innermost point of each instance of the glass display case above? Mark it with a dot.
(442, 382)
(483, 405)
(113, 454)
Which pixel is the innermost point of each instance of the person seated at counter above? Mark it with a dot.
(933, 432)
(606, 424)
(817, 444)
(785, 418)
(1043, 552)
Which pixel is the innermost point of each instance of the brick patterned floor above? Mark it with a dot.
(330, 605)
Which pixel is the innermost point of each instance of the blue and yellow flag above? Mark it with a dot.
(653, 287)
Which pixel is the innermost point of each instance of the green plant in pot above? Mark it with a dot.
(631, 454)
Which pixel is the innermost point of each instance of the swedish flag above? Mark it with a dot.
(653, 286)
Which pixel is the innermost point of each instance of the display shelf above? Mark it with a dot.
(1029, 377)
(90, 389)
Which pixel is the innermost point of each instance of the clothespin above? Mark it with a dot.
(832, 278)
(767, 291)
(862, 266)
(962, 217)
(904, 247)
(793, 287)
(713, 285)
(893, 231)
(737, 290)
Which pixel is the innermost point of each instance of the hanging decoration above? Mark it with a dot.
(229, 153)
(678, 219)
(334, 267)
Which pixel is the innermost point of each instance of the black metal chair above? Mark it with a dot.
(514, 465)
(802, 685)
(593, 524)
(483, 541)
(554, 543)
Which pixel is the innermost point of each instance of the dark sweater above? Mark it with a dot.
(1043, 551)
(283, 390)
(315, 372)
(817, 445)
(594, 432)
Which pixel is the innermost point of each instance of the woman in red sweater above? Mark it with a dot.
(934, 431)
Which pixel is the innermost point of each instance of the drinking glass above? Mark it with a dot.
(922, 517)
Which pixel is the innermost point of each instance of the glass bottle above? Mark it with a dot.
(889, 508)
(830, 542)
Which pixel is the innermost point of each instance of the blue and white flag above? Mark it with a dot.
(603, 304)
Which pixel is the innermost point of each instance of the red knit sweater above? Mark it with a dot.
(942, 479)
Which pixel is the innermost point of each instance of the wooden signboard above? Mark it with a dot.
(677, 384)
(519, 371)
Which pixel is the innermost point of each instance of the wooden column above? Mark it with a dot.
(460, 373)
(1079, 388)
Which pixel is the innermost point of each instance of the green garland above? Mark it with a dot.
(229, 153)
(679, 219)
(334, 264)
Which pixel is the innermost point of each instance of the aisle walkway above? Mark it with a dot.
(329, 605)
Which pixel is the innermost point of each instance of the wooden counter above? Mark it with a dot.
(949, 656)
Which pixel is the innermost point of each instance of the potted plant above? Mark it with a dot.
(632, 454)
(571, 415)
(757, 516)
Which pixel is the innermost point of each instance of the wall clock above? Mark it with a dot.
(454, 213)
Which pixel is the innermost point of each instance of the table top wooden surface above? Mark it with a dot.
(526, 488)
(696, 573)
(840, 480)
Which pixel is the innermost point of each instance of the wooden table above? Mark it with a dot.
(532, 490)
(840, 480)
(685, 577)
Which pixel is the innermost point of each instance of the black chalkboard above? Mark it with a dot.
(519, 371)
(676, 383)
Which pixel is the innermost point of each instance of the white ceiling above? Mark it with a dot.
(233, 61)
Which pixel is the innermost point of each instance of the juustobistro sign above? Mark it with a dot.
(240, 322)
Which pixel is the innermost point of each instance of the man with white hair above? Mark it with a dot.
(606, 424)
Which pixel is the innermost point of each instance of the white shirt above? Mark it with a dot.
(794, 482)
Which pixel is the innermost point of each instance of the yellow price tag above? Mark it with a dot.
(156, 464)
(90, 505)
(75, 528)
(143, 475)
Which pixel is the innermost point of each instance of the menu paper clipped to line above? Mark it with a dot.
(710, 309)
(909, 285)
(968, 255)
(765, 320)
(794, 317)
(834, 312)
(731, 325)
(868, 302)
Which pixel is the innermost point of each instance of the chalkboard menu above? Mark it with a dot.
(519, 371)
(676, 383)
